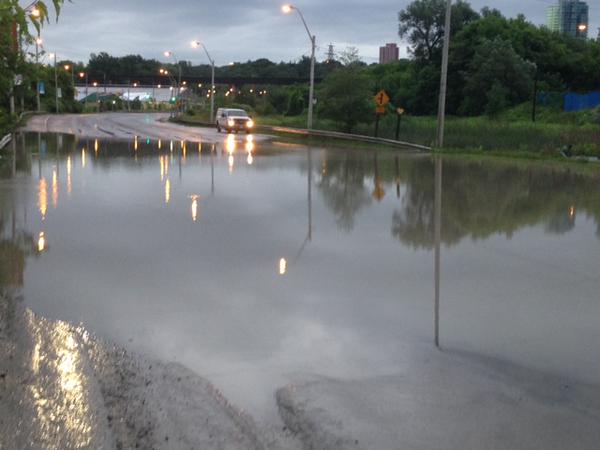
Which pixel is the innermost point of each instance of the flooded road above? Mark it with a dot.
(257, 264)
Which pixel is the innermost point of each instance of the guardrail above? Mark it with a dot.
(328, 134)
(4, 141)
(345, 136)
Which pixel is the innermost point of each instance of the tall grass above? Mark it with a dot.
(513, 131)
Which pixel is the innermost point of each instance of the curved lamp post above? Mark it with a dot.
(196, 44)
(287, 9)
(170, 54)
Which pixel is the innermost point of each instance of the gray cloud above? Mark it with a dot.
(237, 31)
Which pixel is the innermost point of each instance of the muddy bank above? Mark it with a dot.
(61, 388)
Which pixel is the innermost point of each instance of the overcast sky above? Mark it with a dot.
(236, 30)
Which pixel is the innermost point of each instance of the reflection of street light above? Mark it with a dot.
(196, 44)
(194, 207)
(287, 9)
(282, 266)
(41, 242)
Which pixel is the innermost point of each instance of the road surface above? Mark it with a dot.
(122, 126)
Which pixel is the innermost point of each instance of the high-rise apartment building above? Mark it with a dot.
(389, 53)
(570, 17)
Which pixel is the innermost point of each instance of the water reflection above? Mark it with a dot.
(312, 247)
(59, 389)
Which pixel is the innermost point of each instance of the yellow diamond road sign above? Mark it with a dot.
(382, 99)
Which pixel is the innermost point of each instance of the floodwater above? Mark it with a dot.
(260, 264)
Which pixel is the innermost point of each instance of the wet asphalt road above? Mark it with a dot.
(122, 126)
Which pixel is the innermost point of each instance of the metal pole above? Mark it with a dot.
(444, 78)
(178, 87)
(398, 126)
(535, 87)
(437, 237)
(212, 92)
(313, 44)
(311, 91)
(37, 83)
(309, 193)
(55, 85)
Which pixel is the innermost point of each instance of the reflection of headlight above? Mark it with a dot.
(250, 124)
(231, 122)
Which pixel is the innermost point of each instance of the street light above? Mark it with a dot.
(82, 75)
(53, 55)
(582, 30)
(38, 43)
(286, 9)
(170, 54)
(196, 44)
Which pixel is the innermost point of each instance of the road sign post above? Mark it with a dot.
(381, 101)
(399, 112)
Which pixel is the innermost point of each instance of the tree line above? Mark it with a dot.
(495, 61)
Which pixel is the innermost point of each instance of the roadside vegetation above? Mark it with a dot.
(18, 28)
(497, 67)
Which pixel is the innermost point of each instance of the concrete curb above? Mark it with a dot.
(328, 134)
(348, 137)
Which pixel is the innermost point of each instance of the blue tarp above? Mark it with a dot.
(577, 102)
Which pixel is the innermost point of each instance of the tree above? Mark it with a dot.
(345, 96)
(15, 22)
(422, 22)
(498, 75)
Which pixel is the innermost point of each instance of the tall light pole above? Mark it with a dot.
(68, 67)
(38, 42)
(170, 54)
(53, 55)
(313, 43)
(82, 75)
(196, 44)
(444, 78)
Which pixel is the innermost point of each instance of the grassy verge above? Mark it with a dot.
(511, 134)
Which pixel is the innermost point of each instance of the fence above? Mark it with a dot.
(577, 102)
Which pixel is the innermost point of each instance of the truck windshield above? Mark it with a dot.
(237, 113)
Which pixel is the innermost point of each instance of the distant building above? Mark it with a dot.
(389, 53)
(570, 17)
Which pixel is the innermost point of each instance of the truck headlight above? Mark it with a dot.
(230, 122)
(250, 123)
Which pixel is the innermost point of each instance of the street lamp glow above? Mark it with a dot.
(313, 43)
(35, 12)
(81, 74)
(168, 54)
(197, 44)
(39, 41)
(67, 67)
(582, 27)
